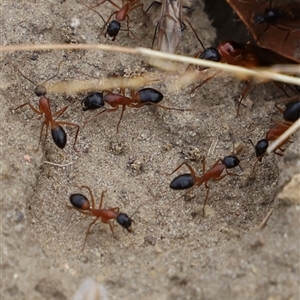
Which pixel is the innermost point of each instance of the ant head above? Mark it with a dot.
(258, 19)
(125, 221)
(40, 90)
(211, 54)
(261, 148)
(231, 51)
(230, 161)
(92, 101)
(79, 201)
(113, 29)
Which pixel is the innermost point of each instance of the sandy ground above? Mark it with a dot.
(174, 252)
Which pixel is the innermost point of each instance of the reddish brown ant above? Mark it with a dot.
(59, 136)
(121, 14)
(145, 96)
(190, 180)
(273, 133)
(247, 56)
(83, 205)
(291, 114)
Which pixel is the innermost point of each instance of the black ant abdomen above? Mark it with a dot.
(80, 201)
(182, 182)
(125, 221)
(59, 136)
(230, 161)
(113, 29)
(149, 95)
(292, 111)
(92, 101)
(211, 54)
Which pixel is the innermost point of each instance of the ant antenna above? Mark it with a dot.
(58, 69)
(195, 34)
(34, 83)
(85, 74)
(92, 8)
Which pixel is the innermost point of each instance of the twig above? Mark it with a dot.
(259, 73)
(58, 165)
(291, 130)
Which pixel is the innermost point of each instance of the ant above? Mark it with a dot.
(274, 16)
(59, 136)
(83, 205)
(121, 14)
(291, 114)
(273, 133)
(247, 56)
(229, 52)
(190, 180)
(145, 96)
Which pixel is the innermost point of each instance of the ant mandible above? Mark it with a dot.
(83, 205)
(190, 180)
(145, 96)
(121, 14)
(59, 136)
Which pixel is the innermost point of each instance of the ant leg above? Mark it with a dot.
(60, 112)
(111, 227)
(262, 34)
(41, 133)
(91, 8)
(123, 109)
(88, 231)
(291, 99)
(231, 174)
(96, 115)
(139, 105)
(102, 197)
(107, 22)
(288, 34)
(203, 165)
(244, 94)
(207, 193)
(97, 3)
(189, 167)
(206, 80)
(277, 153)
(115, 209)
(114, 4)
(78, 209)
(31, 106)
(77, 131)
(155, 31)
(91, 195)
